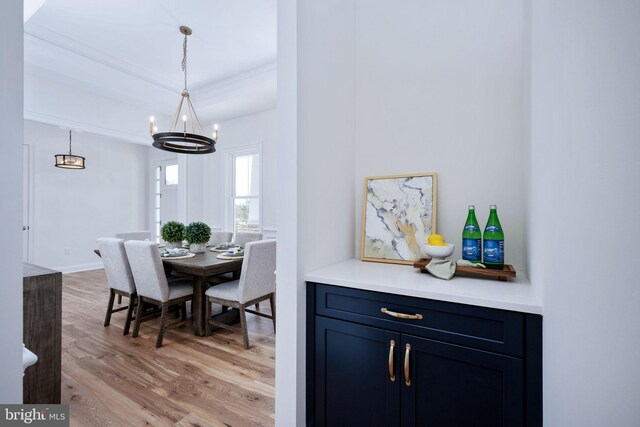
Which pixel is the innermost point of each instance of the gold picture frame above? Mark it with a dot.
(402, 215)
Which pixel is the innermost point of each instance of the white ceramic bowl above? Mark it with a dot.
(438, 252)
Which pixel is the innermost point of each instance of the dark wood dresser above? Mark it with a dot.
(42, 316)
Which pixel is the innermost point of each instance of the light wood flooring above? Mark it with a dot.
(113, 380)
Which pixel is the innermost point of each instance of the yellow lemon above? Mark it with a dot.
(436, 240)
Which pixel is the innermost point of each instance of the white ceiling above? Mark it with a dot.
(131, 51)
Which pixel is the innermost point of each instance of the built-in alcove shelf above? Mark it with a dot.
(515, 295)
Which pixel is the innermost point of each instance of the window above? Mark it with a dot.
(156, 209)
(244, 203)
(171, 175)
(164, 203)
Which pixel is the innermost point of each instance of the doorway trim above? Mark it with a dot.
(30, 190)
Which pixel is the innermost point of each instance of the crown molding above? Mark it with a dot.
(35, 116)
(212, 93)
(47, 38)
(261, 71)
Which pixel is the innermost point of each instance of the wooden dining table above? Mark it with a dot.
(201, 268)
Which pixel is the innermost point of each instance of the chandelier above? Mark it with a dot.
(69, 161)
(187, 141)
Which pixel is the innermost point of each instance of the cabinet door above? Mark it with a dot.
(353, 384)
(454, 386)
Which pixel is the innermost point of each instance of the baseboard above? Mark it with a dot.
(79, 267)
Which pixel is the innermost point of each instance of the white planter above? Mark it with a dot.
(197, 248)
(173, 245)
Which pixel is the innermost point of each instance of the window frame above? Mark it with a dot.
(156, 183)
(230, 176)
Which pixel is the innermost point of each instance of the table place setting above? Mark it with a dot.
(234, 252)
(223, 247)
(177, 253)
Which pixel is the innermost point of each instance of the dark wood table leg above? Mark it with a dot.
(197, 306)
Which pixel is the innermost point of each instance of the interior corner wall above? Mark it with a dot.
(326, 130)
(585, 166)
(11, 106)
(440, 88)
(72, 208)
(316, 99)
(252, 129)
(290, 364)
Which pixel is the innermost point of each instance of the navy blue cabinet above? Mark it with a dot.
(356, 388)
(386, 360)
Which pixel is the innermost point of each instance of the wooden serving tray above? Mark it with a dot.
(481, 273)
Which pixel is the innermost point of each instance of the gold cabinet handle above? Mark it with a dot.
(407, 377)
(401, 315)
(392, 375)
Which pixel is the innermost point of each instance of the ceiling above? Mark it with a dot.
(131, 51)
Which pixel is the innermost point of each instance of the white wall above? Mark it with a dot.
(243, 131)
(585, 199)
(440, 88)
(316, 100)
(72, 208)
(290, 368)
(11, 102)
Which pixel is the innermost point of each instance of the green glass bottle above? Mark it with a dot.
(493, 241)
(472, 238)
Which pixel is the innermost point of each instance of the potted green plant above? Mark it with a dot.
(172, 233)
(197, 234)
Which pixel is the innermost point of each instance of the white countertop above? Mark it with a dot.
(516, 294)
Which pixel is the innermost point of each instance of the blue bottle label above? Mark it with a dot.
(471, 249)
(494, 251)
(471, 227)
(492, 229)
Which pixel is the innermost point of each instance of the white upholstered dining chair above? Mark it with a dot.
(119, 277)
(134, 235)
(243, 237)
(257, 283)
(220, 237)
(153, 286)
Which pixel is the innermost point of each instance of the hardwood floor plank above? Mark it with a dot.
(193, 420)
(114, 380)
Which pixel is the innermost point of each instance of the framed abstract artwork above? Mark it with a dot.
(399, 213)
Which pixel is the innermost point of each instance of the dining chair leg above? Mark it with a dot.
(127, 323)
(207, 316)
(107, 317)
(136, 326)
(257, 306)
(272, 303)
(224, 308)
(243, 325)
(119, 299)
(184, 311)
(163, 322)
